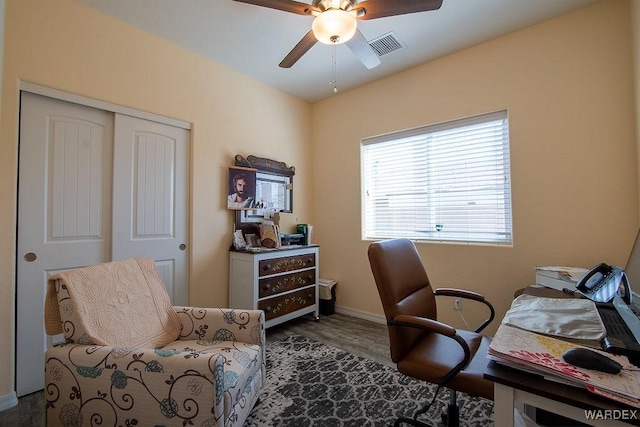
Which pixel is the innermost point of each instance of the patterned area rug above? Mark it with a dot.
(313, 384)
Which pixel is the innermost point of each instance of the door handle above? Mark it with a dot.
(182, 247)
(30, 257)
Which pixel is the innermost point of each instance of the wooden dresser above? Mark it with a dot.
(283, 282)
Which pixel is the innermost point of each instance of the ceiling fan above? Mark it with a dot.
(336, 22)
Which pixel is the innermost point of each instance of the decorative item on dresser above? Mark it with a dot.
(283, 282)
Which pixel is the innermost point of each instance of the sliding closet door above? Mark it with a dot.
(150, 195)
(64, 212)
(94, 186)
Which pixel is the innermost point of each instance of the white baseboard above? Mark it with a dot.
(361, 314)
(8, 401)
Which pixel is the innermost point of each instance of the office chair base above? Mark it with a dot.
(451, 418)
(412, 422)
(447, 421)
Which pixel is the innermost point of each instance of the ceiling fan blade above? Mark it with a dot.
(285, 5)
(360, 48)
(380, 8)
(300, 49)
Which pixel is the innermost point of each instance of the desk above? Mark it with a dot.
(511, 385)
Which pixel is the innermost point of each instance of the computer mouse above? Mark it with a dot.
(589, 359)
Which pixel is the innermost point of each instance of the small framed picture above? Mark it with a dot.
(241, 192)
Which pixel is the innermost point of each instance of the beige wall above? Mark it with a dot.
(567, 86)
(1, 43)
(67, 46)
(635, 23)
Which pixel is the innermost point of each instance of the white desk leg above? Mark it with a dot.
(503, 404)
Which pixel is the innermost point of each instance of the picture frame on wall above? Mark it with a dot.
(241, 189)
(273, 190)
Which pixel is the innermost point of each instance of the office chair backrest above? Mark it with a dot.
(404, 288)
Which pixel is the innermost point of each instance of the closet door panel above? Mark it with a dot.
(64, 213)
(150, 197)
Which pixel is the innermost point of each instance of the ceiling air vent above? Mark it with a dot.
(386, 44)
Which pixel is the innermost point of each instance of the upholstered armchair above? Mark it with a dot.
(130, 359)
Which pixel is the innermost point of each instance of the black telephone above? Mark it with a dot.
(601, 283)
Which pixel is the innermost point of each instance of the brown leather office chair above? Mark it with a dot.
(422, 347)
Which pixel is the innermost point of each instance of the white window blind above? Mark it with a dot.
(444, 182)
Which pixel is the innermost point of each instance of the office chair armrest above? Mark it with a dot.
(423, 323)
(459, 293)
(439, 328)
(462, 293)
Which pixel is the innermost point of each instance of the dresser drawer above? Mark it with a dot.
(283, 304)
(284, 264)
(287, 282)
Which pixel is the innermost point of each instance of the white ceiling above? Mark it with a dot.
(253, 40)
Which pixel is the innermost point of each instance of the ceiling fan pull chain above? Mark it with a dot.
(334, 76)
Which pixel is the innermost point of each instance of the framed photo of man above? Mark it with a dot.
(241, 192)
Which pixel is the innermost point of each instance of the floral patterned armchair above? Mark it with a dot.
(210, 374)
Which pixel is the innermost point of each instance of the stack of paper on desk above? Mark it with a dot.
(542, 355)
(559, 277)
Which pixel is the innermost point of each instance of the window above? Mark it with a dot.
(444, 182)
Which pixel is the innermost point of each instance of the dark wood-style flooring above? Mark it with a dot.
(357, 336)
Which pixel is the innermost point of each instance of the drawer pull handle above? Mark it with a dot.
(267, 309)
(267, 267)
(310, 260)
(309, 278)
(309, 296)
(267, 286)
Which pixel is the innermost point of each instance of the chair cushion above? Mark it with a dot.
(120, 303)
(435, 355)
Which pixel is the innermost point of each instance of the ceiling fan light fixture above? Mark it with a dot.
(334, 26)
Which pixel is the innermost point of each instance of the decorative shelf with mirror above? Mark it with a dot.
(274, 189)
